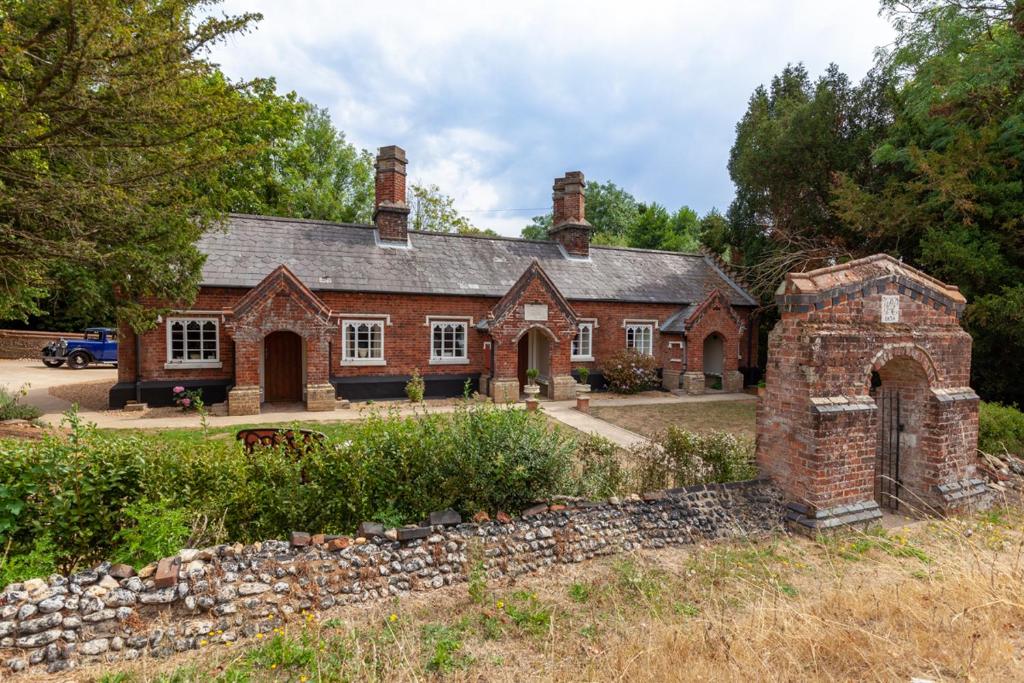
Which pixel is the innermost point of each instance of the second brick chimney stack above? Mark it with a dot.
(569, 226)
(391, 213)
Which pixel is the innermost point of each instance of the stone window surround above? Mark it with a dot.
(381, 322)
(184, 364)
(465, 322)
(589, 356)
(634, 325)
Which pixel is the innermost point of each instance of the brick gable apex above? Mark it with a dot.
(715, 300)
(281, 280)
(533, 273)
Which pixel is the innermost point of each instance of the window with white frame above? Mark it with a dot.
(363, 341)
(448, 341)
(583, 342)
(639, 337)
(192, 341)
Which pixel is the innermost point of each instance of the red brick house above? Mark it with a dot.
(299, 310)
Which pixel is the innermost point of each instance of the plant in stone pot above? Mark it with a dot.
(415, 387)
(531, 377)
(584, 375)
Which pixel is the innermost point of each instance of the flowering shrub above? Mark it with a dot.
(628, 372)
(187, 399)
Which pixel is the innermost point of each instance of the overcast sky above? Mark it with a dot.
(493, 100)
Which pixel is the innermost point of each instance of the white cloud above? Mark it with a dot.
(492, 101)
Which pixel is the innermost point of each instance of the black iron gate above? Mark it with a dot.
(887, 479)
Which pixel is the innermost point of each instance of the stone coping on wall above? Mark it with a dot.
(226, 593)
(840, 404)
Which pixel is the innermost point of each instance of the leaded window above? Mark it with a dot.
(192, 340)
(448, 340)
(640, 337)
(364, 340)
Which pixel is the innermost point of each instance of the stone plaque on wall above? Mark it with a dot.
(890, 308)
(535, 312)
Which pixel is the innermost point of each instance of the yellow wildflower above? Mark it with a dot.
(258, 636)
(500, 604)
(393, 617)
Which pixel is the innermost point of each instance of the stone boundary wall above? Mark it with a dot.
(17, 344)
(231, 592)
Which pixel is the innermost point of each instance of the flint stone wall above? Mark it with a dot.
(228, 593)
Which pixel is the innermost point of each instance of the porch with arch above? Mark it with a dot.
(867, 404)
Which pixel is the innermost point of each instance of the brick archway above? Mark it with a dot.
(281, 303)
(532, 303)
(821, 427)
(713, 316)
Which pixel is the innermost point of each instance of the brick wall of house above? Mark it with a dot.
(406, 338)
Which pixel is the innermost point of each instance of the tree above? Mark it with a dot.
(792, 141)
(947, 191)
(433, 211)
(305, 167)
(111, 117)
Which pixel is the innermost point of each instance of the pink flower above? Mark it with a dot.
(178, 390)
(186, 402)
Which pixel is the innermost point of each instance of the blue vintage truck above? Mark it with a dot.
(98, 345)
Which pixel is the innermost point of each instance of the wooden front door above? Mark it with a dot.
(524, 359)
(282, 367)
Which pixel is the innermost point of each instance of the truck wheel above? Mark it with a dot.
(53, 362)
(78, 360)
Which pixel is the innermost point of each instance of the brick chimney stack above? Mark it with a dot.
(391, 213)
(569, 226)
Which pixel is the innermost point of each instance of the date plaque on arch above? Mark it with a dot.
(890, 308)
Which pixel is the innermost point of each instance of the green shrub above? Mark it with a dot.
(628, 372)
(415, 388)
(101, 495)
(39, 560)
(1000, 428)
(601, 473)
(583, 373)
(11, 407)
(683, 458)
(156, 530)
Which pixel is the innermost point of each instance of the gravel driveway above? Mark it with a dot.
(16, 373)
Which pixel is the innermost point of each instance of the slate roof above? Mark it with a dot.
(677, 321)
(344, 257)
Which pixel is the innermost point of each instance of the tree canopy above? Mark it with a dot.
(620, 220)
(923, 159)
(111, 118)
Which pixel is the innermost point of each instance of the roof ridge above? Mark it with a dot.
(289, 219)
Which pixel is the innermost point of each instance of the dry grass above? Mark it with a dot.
(735, 417)
(939, 600)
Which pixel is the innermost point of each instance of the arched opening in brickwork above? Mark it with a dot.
(901, 391)
(867, 405)
(714, 360)
(534, 351)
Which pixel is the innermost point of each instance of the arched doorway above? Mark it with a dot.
(714, 361)
(534, 351)
(282, 367)
(900, 389)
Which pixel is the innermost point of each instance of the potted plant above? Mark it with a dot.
(584, 375)
(532, 389)
(760, 388)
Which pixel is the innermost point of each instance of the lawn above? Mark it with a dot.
(736, 417)
(938, 601)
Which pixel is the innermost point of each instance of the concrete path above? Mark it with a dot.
(566, 413)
